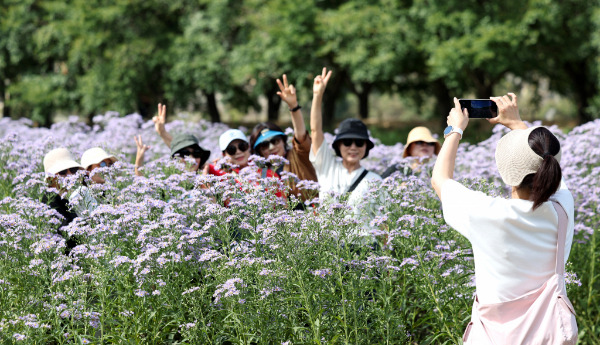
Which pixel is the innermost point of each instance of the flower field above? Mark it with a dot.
(162, 261)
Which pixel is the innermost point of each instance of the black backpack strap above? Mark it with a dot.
(355, 184)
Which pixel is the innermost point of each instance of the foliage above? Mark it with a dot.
(90, 56)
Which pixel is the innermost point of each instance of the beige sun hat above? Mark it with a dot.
(58, 160)
(420, 134)
(515, 158)
(95, 155)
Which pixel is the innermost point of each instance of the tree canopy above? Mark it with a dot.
(89, 56)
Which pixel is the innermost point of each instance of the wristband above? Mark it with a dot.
(296, 108)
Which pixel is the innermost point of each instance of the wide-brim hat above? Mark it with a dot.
(352, 129)
(181, 141)
(266, 134)
(420, 134)
(233, 134)
(515, 158)
(58, 160)
(95, 155)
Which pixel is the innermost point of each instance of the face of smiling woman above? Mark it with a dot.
(239, 156)
(352, 154)
(273, 146)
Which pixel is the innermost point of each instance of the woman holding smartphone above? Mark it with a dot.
(520, 245)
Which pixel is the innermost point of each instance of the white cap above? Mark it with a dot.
(58, 160)
(515, 158)
(95, 155)
(233, 134)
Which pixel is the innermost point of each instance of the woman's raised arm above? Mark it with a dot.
(159, 124)
(287, 92)
(316, 118)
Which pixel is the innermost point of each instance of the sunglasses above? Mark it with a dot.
(273, 141)
(232, 148)
(357, 142)
(103, 164)
(421, 142)
(189, 152)
(70, 171)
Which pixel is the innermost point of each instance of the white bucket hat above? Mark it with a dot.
(233, 134)
(58, 160)
(95, 155)
(515, 158)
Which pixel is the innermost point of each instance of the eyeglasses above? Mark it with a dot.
(421, 142)
(232, 148)
(268, 142)
(189, 152)
(70, 171)
(357, 142)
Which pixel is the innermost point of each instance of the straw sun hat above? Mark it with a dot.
(58, 160)
(95, 155)
(420, 134)
(515, 158)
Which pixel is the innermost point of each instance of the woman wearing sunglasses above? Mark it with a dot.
(233, 145)
(95, 158)
(352, 144)
(269, 139)
(421, 146)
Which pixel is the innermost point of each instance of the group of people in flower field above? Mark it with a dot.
(520, 244)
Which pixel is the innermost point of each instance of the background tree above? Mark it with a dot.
(279, 38)
(201, 55)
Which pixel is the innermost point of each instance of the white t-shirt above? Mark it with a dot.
(514, 247)
(333, 176)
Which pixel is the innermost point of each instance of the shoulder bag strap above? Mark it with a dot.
(264, 172)
(355, 184)
(562, 238)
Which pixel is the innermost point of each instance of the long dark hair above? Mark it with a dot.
(546, 180)
(256, 133)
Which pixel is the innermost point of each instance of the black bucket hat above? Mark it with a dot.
(181, 141)
(352, 129)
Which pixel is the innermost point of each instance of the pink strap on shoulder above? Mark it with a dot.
(562, 238)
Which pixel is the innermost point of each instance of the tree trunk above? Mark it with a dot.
(4, 111)
(584, 86)
(443, 102)
(273, 103)
(363, 100)
(484, 86)
(213, 111)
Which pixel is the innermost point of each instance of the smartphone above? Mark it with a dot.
(479, 108)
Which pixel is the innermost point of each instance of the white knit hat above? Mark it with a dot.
(515, 158)
(58, 160)
(233, 134)
(95, 155)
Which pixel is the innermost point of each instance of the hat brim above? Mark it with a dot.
(63, 165)
(205, 154)
(438, 147)
(342, 136)
(97, 160)
(266, 136)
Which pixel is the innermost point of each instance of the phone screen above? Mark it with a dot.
(479, 108)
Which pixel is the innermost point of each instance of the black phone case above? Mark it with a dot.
(479, 112)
